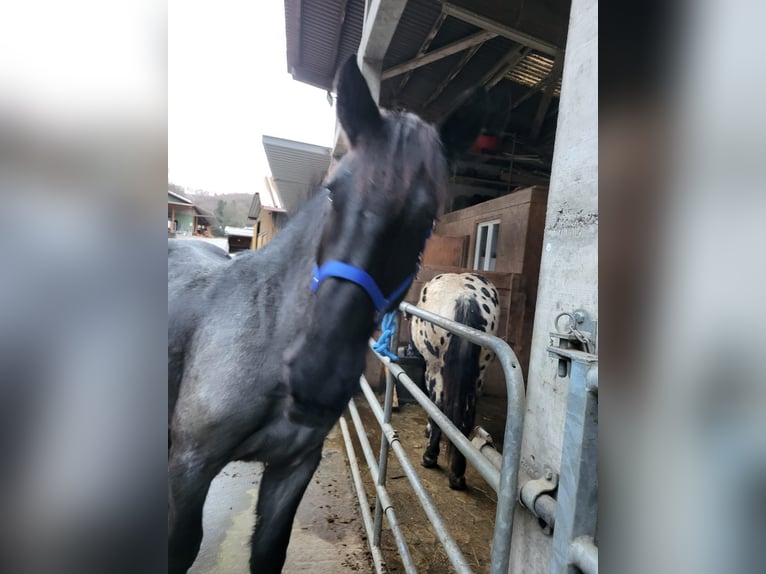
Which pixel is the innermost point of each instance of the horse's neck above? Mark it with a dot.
(287, 260)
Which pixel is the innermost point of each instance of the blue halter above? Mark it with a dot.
(341, 270)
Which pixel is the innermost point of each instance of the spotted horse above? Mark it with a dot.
(455, 367)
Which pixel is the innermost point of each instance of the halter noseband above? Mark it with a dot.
(348, 272)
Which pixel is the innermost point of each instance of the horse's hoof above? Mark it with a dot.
(429, 461)
(457, 482)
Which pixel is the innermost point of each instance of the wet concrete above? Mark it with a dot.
(327, 536)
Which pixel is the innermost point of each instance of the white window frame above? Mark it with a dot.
(490, 225)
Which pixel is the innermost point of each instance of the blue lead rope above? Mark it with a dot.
(388, 330)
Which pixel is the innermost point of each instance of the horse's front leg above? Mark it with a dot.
(189, 477)
(281, 490)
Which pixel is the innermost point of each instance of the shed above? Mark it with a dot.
(185, 218)
(297, 169)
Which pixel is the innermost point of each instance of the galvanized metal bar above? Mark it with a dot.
(454, 554)
(382, 493)
(591, 383)
(485, 468)
(488, 451)
(383, 460)
(585, 555)
(364, 505)
(577, 496)
(514, 424)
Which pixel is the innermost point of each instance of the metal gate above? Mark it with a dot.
(570, 517)
(503, 480)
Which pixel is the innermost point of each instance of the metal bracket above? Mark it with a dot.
(535, 496)
(578, 336)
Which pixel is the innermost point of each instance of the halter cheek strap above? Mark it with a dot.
(341, 270)
(359, 276)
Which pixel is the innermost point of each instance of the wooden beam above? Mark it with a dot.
(453, 48)
(423, 47)
(505, 65)
(451, 76)
(500, 29)
(379, 26)
(495, 74)
(541, 109)
(550, 79)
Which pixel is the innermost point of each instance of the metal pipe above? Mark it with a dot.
(485, 468)
(382, 493)
(364, 505)
(584, 554)
(483, 443)
(383, 460)
(577, 496)
(514, 424)
(453, 551)
(545, 509)
(591, 380)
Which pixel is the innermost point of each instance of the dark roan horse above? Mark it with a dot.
(260, 364)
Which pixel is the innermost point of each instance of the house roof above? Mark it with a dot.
(174, 197)
(297, 169)
(439, 51)
(239, 231)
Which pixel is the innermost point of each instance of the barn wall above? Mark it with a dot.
(267, 230)
(522, 221)
(522, 217)
(569, 266)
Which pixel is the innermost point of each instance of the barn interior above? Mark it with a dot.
(427, 56)
(432, 56)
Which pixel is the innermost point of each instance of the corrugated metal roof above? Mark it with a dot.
(179, 197)
(319, 38)
(533, 69)
(321, 35)
(297, 169)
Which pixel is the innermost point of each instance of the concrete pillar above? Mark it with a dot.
(569, 267)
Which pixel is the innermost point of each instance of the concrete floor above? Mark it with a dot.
(327, 537)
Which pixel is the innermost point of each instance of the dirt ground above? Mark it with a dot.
(470, 514)
(328, 535)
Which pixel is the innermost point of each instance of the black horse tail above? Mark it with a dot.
(461, 371)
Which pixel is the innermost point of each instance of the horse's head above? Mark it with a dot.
(382, 199)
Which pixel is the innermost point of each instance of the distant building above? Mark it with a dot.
(187, 219)
(297, 171)
(239, 238)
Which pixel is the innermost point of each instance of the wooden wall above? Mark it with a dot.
(520, 240)
(522, 222)
(266, 231)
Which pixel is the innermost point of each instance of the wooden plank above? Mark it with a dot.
(500, 29)
(542, 109)
(423, 47)
(451, 76)
(445, 250)
(463, 44)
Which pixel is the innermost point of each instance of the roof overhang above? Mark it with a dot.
(297, 170)
(435, 52)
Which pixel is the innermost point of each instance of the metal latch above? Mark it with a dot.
(578, 335)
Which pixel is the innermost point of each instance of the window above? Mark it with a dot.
(486, 245)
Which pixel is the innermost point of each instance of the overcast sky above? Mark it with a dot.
(227, 86)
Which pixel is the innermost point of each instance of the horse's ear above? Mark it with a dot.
(462, 127)
(357, 111)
